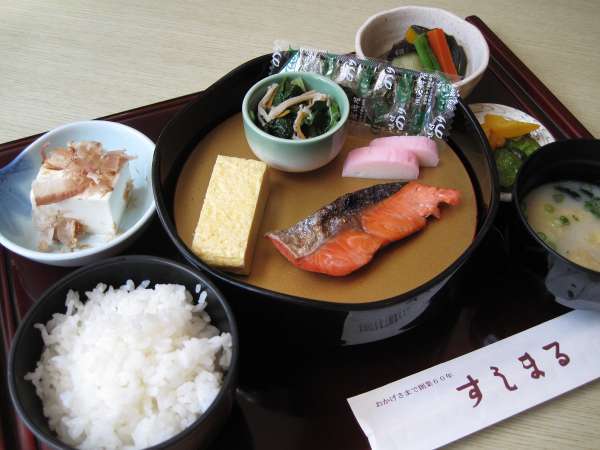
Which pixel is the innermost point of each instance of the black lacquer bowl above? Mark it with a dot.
(27, 345)
(559, 278)
(303, 318)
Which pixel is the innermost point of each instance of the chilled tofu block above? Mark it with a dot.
(99, 212)
(80, 190)
(231, 214)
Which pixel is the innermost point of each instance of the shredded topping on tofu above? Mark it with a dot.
(61, 229)
(84, 165)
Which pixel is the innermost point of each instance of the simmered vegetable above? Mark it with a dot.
(459, 57)
(436, 51)
(408, 61)
(426, 56)
(400, 49)
(439, 45)
(411, 35)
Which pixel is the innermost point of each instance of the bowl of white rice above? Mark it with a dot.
(134, 352)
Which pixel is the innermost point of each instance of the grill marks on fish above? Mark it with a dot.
(345, 234)
(309, 234)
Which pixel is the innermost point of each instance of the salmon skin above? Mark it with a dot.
(344, 235)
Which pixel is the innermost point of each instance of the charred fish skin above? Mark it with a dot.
(348, 232)
(306, 236)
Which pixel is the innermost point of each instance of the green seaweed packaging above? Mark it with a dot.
(382, 96)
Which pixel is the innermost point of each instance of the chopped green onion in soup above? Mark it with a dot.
(566, 216)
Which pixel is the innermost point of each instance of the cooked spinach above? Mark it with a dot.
(318, 114)
(282, 127)
(334, 114)
(317, 121)
(288, 89)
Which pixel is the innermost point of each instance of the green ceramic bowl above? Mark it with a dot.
(293, 155)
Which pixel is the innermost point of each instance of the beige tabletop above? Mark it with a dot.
(67, 60)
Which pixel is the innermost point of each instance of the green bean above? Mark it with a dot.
(426, 56)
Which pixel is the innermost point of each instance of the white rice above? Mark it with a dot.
(130, 367)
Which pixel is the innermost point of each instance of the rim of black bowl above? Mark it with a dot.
(171, 230)
(552, 146)
(228, 380)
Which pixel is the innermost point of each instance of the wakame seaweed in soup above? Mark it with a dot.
(289, 110)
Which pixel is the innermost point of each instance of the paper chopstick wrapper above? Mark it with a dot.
(454, 399)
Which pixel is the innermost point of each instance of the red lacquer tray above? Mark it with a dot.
(283, 404)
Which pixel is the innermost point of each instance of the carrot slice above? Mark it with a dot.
(439, 45)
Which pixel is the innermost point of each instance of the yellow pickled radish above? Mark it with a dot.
(506, 128)
(486, 129)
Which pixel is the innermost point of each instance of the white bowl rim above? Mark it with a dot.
(477, 72)
(82, 253)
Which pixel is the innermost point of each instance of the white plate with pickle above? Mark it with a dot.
(55, 188)
(520, 135)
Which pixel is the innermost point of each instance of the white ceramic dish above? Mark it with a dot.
(379, 32)
(16, 229)
(541, 135)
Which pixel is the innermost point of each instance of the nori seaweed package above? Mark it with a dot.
(382, 96)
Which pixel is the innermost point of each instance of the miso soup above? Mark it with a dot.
(566, 215)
